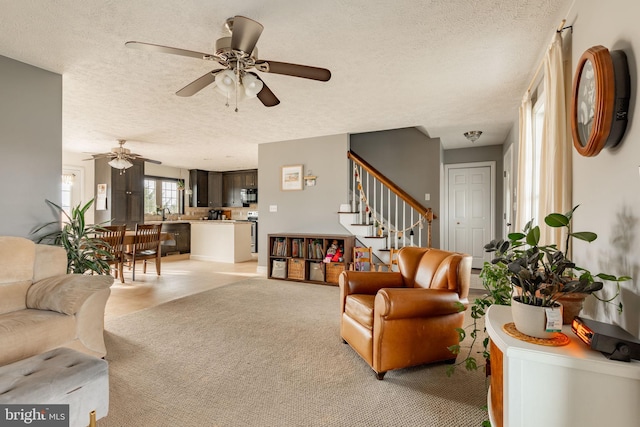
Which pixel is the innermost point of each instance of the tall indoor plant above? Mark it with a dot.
(544, 273)
(85, 251)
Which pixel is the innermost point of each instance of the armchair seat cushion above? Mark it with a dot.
(24, 333)
(360, 308)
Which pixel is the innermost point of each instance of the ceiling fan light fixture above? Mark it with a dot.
(225, 82)
(119, 163)
(252, 85)
(473, 135)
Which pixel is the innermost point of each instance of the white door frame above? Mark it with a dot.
(445, 205)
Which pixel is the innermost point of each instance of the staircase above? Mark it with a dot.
(381, 215)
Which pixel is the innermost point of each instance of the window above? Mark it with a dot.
(150, 203)
(532, 167)
(160, 193)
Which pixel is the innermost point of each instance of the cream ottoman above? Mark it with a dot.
(59, 376)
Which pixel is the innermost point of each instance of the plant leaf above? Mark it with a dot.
(556, 220)
(587, 236)
(533, 237)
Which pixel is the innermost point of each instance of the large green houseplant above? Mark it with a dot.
(544, 273)
(85, 251)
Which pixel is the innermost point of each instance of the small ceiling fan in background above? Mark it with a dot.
(121, 158)
(238, 54)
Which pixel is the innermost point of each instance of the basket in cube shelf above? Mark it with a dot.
(279, 269)
(333, 271)
(316, 271)
(296, 269)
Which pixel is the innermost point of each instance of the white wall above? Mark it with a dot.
(31, 141)
(607, 186)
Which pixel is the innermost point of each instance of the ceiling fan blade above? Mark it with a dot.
(166, 49)
(101, 156)
(245, 34)
(198, 84)
(295, 70)
(265, 96)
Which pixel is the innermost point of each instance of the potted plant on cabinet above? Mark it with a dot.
(543, 274)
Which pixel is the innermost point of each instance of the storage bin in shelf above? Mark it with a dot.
(296, 269)
(316, 271)
(279, 269)
(333, 271)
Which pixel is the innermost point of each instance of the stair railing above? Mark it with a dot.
(373, 194)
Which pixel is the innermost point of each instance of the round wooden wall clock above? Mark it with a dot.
(600, 100)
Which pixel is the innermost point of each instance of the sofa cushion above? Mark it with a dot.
(65, 293)
(360, 308)
(17, 256)
(25, 333)
(50, 261)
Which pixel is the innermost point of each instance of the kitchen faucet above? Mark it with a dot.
(164, 218)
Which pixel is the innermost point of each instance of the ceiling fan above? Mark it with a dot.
(238, 55)
(121, 158)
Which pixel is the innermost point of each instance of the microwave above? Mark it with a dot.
(249, 196)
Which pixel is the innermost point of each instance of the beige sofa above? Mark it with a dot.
(42, 307)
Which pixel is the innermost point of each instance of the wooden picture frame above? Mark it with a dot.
(291, 178)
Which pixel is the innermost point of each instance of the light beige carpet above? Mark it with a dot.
(268, 353)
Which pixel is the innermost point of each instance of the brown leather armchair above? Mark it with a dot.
(399, 319)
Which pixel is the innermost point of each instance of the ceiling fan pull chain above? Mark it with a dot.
(237, 81)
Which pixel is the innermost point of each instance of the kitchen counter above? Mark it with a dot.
(221, 240)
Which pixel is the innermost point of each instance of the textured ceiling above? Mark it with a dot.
(445, 66)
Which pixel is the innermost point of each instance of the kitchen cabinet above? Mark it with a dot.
(181, 243)
(215, 189)
(125, 193)
(233, 182)
(199, 181)
(231, 186)
(251, 179)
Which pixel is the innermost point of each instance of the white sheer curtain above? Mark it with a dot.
(525, 163)
(555, 160)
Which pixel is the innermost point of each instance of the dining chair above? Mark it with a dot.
(113, 236)
(146, 246)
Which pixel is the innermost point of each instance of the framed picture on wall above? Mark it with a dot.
(292, 177)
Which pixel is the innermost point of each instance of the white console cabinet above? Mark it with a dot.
(569, 386)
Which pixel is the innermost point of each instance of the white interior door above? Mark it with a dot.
(470, 210)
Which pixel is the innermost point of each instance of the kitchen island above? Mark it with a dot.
(221, 241)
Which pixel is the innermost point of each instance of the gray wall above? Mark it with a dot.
(408, 158)
(312, 210)
(483, 154)
(607, 186)
(31, 141)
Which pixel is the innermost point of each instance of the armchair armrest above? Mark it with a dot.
(416, 302)
(65, 293)
(368, 282)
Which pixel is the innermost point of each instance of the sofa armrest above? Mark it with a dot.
(416, 302)
(65, 293)
(369, 282)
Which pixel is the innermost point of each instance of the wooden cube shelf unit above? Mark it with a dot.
(299, 257)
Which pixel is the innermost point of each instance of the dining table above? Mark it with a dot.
(129, 237)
